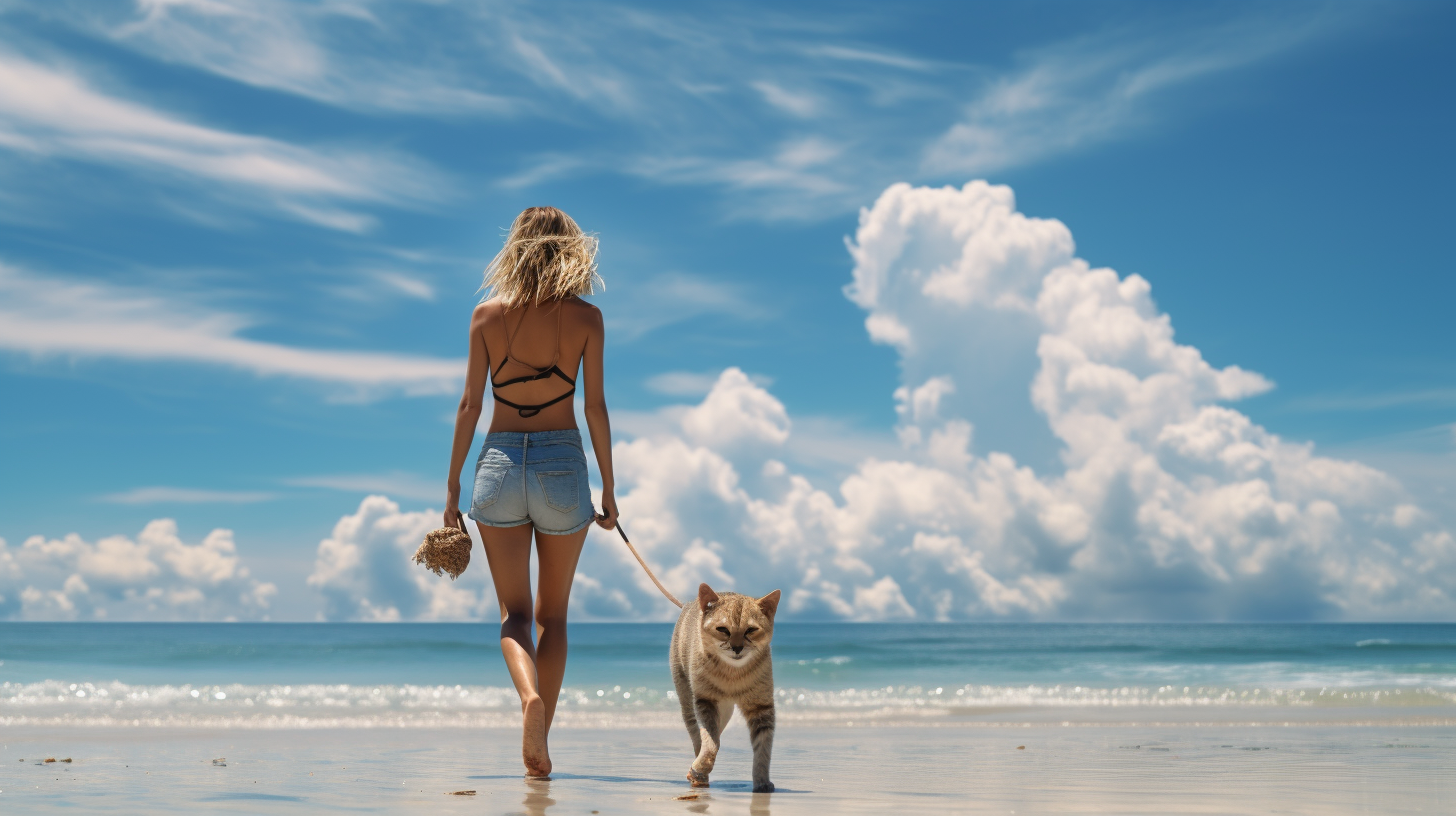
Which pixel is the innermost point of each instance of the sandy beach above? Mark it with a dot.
(904, 720)
(985, 764)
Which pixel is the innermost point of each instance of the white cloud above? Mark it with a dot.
(54, 112)
(922, 403)
(363, 570)
(49, 316)
(1163, 501)
(736, 412)
(157, 576)
(1164, 504)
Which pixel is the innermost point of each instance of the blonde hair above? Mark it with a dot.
(546, 256)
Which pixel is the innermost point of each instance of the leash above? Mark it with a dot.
(645, 568)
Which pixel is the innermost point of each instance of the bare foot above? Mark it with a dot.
(533, 738)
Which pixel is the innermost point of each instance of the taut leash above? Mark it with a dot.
(645, 568)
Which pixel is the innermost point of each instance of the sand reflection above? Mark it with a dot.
(538, 797)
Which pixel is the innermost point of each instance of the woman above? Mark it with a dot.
(529, 340)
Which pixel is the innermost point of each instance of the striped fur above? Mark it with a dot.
(720, 658)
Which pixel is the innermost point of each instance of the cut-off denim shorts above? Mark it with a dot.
(532, 478)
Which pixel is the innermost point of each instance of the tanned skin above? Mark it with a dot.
(536, 669)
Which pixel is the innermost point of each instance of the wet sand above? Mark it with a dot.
(1179, 765)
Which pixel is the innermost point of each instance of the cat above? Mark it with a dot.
(720, 657)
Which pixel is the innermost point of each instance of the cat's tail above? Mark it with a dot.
(645, 568)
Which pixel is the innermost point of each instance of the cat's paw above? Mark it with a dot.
(763, 787)
(698, 780)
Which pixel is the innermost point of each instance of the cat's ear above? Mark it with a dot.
(769, 603)
(706, 597)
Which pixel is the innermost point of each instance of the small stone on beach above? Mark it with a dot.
(461, 793)
(50, 759)
(685, 797)
(221, 762)
(1021, 747)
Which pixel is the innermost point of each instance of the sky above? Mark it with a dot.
(933, 311)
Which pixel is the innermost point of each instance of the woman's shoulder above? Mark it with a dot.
(582, 310)
(485, 311)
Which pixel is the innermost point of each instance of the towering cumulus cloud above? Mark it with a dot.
(1064, 457)
(363, 570)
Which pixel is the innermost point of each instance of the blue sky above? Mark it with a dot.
(239, 242)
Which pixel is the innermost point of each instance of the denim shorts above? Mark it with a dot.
(532, 478)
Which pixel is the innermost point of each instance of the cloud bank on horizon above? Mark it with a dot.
(1063, 457)
(155, 576)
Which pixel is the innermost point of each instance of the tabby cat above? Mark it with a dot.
(720, 657)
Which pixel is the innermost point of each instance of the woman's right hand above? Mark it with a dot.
(453, 516)
(608, 518)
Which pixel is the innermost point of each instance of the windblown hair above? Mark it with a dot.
(546, 256)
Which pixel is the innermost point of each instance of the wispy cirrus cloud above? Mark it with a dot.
(788, 115)
(337, 53)
(394, 483)
(55, 112)
(48, 316)
(185, 495)
(1068, 95)
(1376, 401)
(674, 297)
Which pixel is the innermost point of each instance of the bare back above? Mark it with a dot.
(535, 359)
(525, 342)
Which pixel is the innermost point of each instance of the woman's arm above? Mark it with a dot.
(596, 417)
(477, 372)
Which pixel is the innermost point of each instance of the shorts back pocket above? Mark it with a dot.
(560, 489)
(490, 474)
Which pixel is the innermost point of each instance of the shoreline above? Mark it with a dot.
(960, 718)
(1304, 768)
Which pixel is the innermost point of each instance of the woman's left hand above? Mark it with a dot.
(607, 520)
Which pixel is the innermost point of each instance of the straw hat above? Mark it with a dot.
(446, 550)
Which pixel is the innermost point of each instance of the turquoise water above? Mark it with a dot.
(414, 673)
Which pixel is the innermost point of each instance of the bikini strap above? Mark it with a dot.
(556, 358)
(511, 337)
(552, 370)
(532, 410)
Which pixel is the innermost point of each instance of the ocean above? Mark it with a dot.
(448, 674)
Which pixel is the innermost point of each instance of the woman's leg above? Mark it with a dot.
(508, 551)
(556, 557)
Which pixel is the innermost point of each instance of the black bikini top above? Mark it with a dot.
(549, 371)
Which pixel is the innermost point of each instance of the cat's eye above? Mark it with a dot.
(725, 631)
(750, 630)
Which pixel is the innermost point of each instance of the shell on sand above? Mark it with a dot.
(445, 551)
